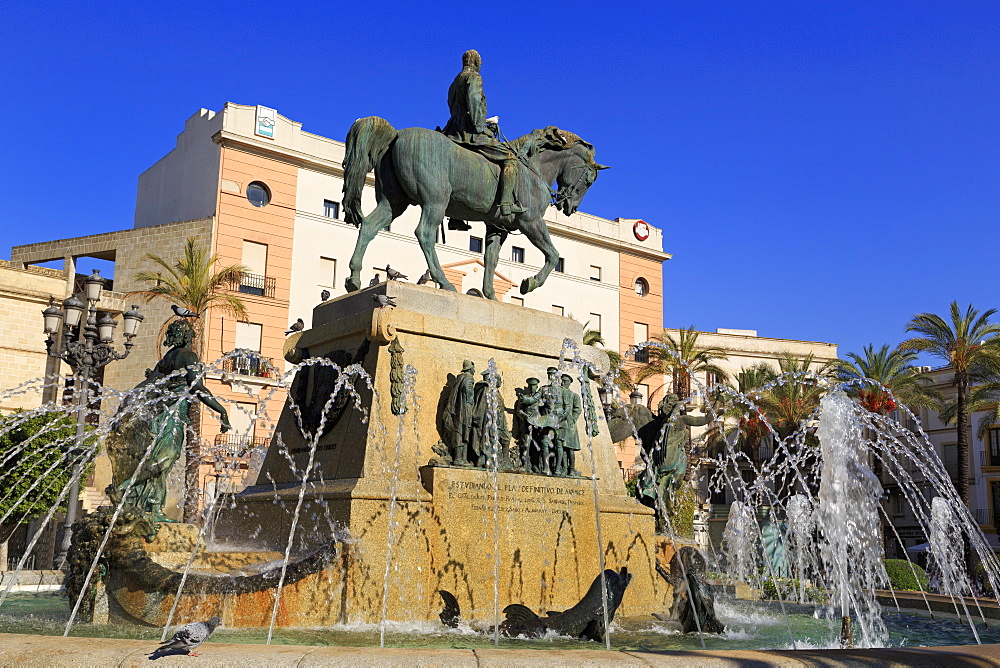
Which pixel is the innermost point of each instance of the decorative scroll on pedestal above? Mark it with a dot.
(396, 365)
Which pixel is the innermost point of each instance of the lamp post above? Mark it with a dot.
(91, 350)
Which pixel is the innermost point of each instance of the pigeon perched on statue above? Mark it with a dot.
(182, 312)
(394, 275)
(375, 281)
(189, 636)
(383, 300)
(323, 296)
(424, 277)
(296, 326)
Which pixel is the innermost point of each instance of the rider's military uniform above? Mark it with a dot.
(469, 128)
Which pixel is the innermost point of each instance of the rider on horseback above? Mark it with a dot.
(469, 127)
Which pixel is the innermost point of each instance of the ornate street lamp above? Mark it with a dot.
(86, 348)
(605, 397)
(635, 396)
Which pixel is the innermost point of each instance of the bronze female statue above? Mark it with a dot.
(157, 429)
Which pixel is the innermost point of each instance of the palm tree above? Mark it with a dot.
(892, 369)
(968, 343)
(195, 283)
(750, 425)
(681, 357)
(620, 377)
(986, 397)
(790, 405)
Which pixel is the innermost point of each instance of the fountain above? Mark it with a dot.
(357, 514)
(395, 480)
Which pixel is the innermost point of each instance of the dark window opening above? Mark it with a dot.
(258, 194)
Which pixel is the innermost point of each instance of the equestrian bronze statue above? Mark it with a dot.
(467, 174)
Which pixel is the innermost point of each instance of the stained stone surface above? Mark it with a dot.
(443, 534)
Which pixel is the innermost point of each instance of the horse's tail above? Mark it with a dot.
(367, 141)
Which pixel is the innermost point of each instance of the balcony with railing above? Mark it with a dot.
(238, 447)
(253, 284)
(984, 516)
(249, 363)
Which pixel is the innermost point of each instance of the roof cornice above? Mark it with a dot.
(228, 139)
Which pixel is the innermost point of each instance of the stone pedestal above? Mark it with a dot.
(369, 462)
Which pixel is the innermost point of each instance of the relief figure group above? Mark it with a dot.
(543, 437)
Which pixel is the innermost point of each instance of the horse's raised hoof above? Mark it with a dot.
(351, 285)
(529, 284)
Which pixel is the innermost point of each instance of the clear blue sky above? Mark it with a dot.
(821, 171)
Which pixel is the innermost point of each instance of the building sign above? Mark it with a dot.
(266, 118)
(641, 230)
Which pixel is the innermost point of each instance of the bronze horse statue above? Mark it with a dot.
(424, 167)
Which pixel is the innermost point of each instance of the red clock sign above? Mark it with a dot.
(641, 230)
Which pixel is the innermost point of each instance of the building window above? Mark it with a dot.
(640, 334)
(255, 258)
(258, 194)
(993, 439)
(595, 273)
(241, 420)
(558, 310)
(898, 504)
(331, 209)
(717, 497)
(595, 322)
(516, 254)
(248, 335)
(475, 244)
(561, 265)
(644, 391)
(517, 301)
(641, 287)
(327, 272)
(474, 292)
(254, 280)
(995, 493)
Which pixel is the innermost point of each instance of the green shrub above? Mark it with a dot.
(630, 486)
(685, 502)
(901, 572)
(33, 453)
(789, 588)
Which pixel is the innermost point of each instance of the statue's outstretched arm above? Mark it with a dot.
(204, 396)
(697, 420)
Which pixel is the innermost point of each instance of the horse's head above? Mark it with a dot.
(577, 170)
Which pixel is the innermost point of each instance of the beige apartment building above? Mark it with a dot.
(744, 349)
(257, 190)
(983, 472)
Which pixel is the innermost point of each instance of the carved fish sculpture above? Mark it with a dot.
(584, 620)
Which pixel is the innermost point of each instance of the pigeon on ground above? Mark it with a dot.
(323, 296)
(424, 277)
(374, 281)
(182, 312)
(383, 300)
(296, 326)
(393, 275)
(189, 636)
